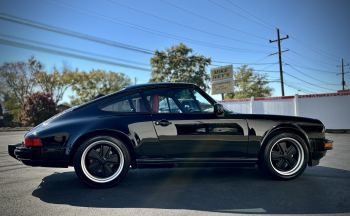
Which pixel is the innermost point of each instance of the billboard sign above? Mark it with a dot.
(221, 73)
(220, 87)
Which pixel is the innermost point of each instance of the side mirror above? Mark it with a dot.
(219, 109)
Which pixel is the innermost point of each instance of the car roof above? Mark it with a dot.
(138, 86)
(163, 84)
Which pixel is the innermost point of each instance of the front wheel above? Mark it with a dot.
(284, 157)
(102, 161)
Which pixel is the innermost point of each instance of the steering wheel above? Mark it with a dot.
(190, 110)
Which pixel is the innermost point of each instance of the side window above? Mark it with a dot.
(161, 101)
(172, 100)
(204, 103)
(185, 98)
(130, 103)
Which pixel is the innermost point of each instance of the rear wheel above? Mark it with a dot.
(284, 157)
(102, 161)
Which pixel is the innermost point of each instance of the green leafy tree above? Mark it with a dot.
(37, 108)
(249, 84)
(89, 85)
(176, 64)
(13, 108)
(19, 77)
(57, 83)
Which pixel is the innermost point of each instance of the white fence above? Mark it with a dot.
(332, 109)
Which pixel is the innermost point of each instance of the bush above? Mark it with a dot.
(37, 108)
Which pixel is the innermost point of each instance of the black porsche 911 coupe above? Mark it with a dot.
(169, 125)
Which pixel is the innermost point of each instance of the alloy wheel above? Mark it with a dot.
(286, 156)
(102, 161)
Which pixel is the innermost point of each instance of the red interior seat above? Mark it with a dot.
(155, 103)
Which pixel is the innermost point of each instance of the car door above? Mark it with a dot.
(187, 126)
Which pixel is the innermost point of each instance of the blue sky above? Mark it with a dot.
(318, 33)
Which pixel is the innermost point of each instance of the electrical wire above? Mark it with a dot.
(307, 82)
(189, 27)
(42, 49)
(151, 31)
(211, 20)
(306, 74)
(294, 38)
(71, 33)
(70, 49)
(310, 59)
(315, 69)
(241, 15)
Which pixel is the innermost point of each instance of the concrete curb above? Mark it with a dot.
(339, 131)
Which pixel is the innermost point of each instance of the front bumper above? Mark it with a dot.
(318, 150)
(32, 156)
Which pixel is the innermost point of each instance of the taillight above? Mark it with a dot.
(32, 142)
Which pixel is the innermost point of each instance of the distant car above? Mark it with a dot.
(169, 125)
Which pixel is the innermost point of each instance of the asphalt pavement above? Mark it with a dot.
(323, 190)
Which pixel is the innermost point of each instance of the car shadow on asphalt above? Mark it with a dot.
(232, 190)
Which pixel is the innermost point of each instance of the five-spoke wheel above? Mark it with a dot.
(284, 156)
(102, 161)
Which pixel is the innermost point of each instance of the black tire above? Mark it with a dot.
(102, 161)
(284, 156)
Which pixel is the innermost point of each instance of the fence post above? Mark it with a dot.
(252, 105)
(296, 105)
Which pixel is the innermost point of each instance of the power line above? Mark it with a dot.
(189, 27)
(313, 69)
(242, 63)
(310, 59)
(71, 33)
(210, 19)
(298, 88)
(70, 49)
(306, 66)
(273, 27)
(42, 49)
(294, 38)
(314, 49)
(152, 31)
(308, 82)
(240, 15)
(305, 73)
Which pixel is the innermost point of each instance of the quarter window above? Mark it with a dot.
(130, 103)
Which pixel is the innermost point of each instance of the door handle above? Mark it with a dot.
(163, 122)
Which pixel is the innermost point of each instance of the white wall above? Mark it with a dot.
(332, 109)
(278, 107)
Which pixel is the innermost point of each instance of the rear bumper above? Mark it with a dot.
(32, 156)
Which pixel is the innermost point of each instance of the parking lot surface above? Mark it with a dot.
(324, 189)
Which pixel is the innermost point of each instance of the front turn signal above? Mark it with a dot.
(328, 144)
(32, 142)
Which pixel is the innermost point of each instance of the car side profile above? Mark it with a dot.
(166, 125)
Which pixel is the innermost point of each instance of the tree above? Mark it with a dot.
(37, 108)
(13, 108)
(57, 83)
(175, 64)
(20, 77)
(89, 85)
(247, 84)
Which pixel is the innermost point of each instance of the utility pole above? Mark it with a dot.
(279, 54)
(342, 72)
